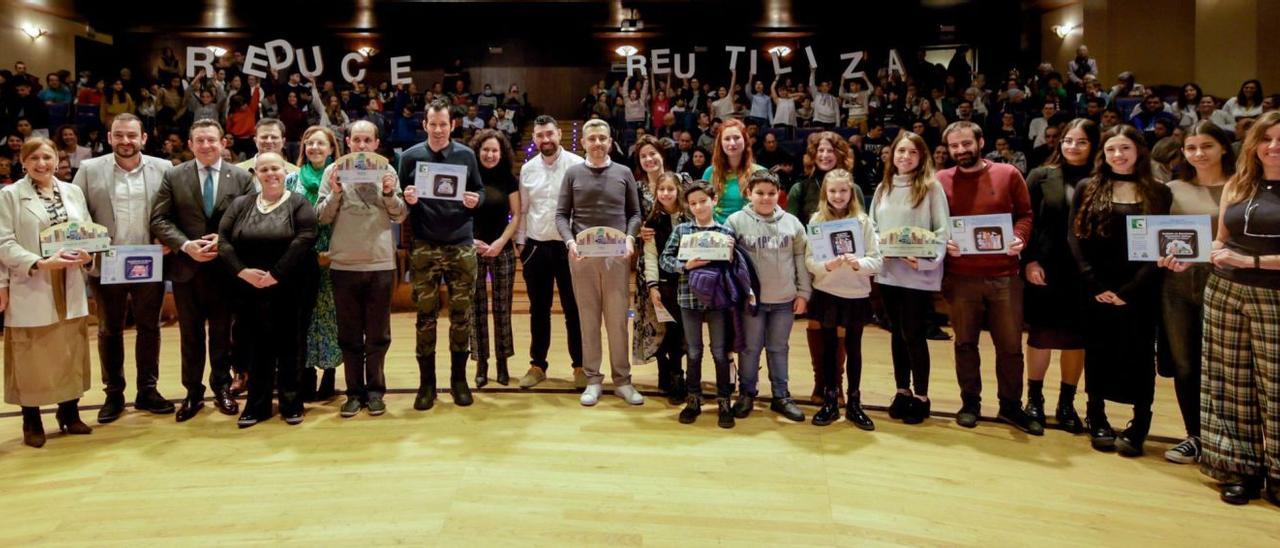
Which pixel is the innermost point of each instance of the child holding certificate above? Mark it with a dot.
(841, 299)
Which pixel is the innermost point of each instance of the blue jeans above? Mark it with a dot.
(769, 329)
(715, 320)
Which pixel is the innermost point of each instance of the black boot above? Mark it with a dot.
(1101, 436)
(853, 413)
(678, 392)
(327, 390)
(1066, 414)
(458, 379)
(1129, 443)
(725, 418)
(692, 408)
(830, 410)
(482, 373)
(307, 384)
(32, 427)
(426, 397)
(69, 418)
(504, 377)
(1035, 410)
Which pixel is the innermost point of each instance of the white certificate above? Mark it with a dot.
(1186, 237)
(601, 241)
(361, 168)
(707, 245)
(132, 264)
(834, 238)
(982, 234)
(440, 181)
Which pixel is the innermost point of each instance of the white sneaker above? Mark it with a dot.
(590, 395)
(629, 394)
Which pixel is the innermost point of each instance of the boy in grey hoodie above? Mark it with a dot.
(776, 242)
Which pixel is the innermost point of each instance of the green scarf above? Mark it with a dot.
(309, 177)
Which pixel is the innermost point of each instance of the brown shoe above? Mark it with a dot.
(239, 384)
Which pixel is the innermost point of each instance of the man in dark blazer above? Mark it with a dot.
(120, 190)
(188, 208)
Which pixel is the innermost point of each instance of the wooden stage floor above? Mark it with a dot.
(538, 469)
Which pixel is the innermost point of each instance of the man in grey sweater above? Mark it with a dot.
(600, 193)
(362, 255)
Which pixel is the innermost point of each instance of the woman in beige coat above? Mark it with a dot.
(46, 336)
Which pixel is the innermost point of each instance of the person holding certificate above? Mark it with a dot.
(1053, 306)
(119, 190)
(600, 193)
(1240, 399)
(1210, 162)
(908, 198)
(443, 247)
(988, 285)
(46, 335)
(1121, 296)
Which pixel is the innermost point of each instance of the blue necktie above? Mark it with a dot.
(208, 192)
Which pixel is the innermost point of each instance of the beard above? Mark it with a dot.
(548, 149)
(965, 159)
(126, 151)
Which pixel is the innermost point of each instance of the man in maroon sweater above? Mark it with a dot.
(986, 286)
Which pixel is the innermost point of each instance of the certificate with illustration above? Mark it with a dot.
(1187, 238)
(982, 234)
(707, 245)
(440, 181)
(361, 168)
(911, 241)
(835, 238)
(601, 241)
(74, 235)
(132, 264)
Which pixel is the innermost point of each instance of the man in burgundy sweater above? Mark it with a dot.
(986, 286)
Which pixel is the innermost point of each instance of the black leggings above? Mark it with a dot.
(853, 360)
(908, 312)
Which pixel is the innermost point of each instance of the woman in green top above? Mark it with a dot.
(319, 148)
(731, 160)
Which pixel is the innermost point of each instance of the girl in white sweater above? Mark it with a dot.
(841, 297)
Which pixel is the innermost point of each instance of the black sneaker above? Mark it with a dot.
(351, 407)
(1016, 417)
(726, 413)
(900, 407)
(692, 408)
(787, 408)
(742, 407)
(376, 405)
(1187, 452)
(967, 416)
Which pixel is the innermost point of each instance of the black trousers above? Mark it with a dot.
(114, 303)
(270, 320)
(908, 312)
(363, 302)
(546, 267)
(205, 299)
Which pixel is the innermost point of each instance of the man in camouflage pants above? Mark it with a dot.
(442, 252)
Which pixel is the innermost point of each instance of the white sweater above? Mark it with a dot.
(844, 281)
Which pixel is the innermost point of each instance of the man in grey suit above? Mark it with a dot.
(119, 190)
(188, 207)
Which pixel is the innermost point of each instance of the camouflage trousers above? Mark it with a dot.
(431, 265)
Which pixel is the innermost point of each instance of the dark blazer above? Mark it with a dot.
(178, 214)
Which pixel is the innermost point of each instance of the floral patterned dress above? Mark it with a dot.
(321, 349)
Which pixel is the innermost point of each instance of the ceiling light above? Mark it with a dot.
(367, 51)
(780, 51)
(626, 50)
(217, 51)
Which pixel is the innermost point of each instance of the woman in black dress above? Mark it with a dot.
(1053, 305)
(266, 238)
(1121, 296)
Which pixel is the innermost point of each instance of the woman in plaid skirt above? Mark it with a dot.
(1240, 384)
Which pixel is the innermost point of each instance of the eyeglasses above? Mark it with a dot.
(1248, 212)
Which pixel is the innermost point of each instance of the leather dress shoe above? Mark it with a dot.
(111, 409)
(225, 403)
(742, 407)
(788, 409)
(239, 383)
(152, 402)
(190, 406)
(1240, 492)
(248, 418)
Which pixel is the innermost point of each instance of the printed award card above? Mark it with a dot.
(601, 241)
(982, 234)
(707, 245)
(74, 235)
(361, 168)
(440, 181)
(132, 264)
(911, 241)
(834, 238)
(1187, 238)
